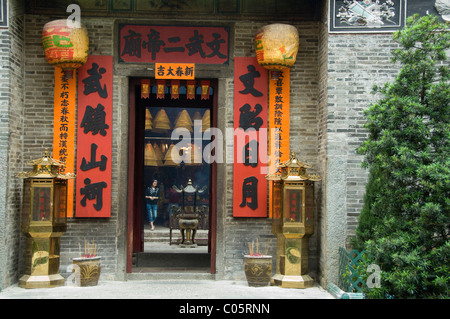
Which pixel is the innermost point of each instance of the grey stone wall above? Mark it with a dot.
(330, 87)
(355, 63)
(238, 232)
(11, 132)
(39, 84)
(233, 233)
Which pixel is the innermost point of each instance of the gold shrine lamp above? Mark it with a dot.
(44, 217)
(293, 222)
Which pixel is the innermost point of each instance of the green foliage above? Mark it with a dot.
(404, 224)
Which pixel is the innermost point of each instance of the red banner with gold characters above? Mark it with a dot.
(145, 88)
(94, 142)
(64, 128)
(279, 100)
(250, 138)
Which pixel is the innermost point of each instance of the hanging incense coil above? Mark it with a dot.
(206, 120)
(150, 158)
(161, 123)
(148, 120)
(197, 116)
(158, 153)
(183, 120)
(195, 154)
(168, 161)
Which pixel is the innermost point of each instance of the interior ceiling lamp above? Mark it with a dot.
(276, 47)
(65, 47)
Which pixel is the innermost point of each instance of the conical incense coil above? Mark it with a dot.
(168, 161)
(148, 120)
(158, 153)
(184, 121)
(206, 120)
(150, 158)
(197, 116)
(195, 153)
(161, 123)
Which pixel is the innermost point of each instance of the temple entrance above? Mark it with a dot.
(166, 160)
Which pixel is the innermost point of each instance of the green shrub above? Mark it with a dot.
(404, 224)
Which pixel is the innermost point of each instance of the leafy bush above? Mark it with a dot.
(404, 224)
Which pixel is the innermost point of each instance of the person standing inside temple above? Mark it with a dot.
(151, 199)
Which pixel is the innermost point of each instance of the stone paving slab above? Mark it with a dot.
(166, 289)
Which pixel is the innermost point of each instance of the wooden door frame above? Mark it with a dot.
(134, 227)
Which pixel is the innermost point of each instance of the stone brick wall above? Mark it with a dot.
(322, 137)
(233, 234)
(11, 132)
(355, 63)
(330, 87)
(238, 232)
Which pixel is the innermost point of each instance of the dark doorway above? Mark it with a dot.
(157, 153)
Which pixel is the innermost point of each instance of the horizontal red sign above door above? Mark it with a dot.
(142, 43)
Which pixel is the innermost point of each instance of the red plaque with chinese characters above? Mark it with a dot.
(94, 142)
(141, 43)
(250, 138)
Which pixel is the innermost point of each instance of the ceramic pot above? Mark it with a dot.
(258, 270)
(87, 271)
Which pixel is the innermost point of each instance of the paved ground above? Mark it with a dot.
(179, 288)
(166, 289)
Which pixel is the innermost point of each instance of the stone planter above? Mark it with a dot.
(87, 271)
(258, 270)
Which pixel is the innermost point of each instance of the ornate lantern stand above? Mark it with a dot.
(188, 215)
(293, 222)
(44, 215)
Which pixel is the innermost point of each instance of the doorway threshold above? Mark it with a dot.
(153, 273)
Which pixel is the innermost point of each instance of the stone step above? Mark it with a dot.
(163, 235)
(167, 260)
(143, 274)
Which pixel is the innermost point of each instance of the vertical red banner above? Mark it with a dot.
(94, 142)
(64, 128)
(250, 138)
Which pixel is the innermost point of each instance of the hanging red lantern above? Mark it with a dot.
(65, 47)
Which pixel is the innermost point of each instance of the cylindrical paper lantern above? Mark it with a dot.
(65, 47)
(276, 46)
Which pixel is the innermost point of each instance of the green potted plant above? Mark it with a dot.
(87, 267)
(258, 265)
